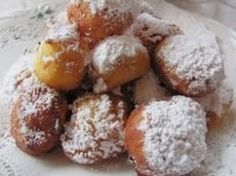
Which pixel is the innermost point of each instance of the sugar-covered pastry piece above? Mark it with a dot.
(167, 137)
(99, 19)
(192, 66)
(151, 30)
(37, 116)
(96, 129)
(61, 65)
(118, 60)
(61, 60)
(148, 88)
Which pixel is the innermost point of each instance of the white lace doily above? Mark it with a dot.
(24, 30)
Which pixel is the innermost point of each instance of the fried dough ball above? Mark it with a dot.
(118, 60)
(148, 88)
(60, 65)
(151, 30)
(167, 137)
(96, 129)
(217, 105)
(99, 19)
(190, 66)
(37, 115)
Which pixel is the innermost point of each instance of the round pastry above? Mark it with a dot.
(190, 66)
(37, 114)
(99, 19)
(148, 88)
(167, 137)
(60, 65)
(96, 129)
(217, 104)
(118, 60)
(151, 30)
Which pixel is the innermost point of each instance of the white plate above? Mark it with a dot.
(25, 29)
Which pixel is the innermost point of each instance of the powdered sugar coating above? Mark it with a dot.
(112, 6)
(32, 136)
(219, 101)
(152, 30)
(96, 129)
(197, 60)
(99, 86)
(34, 102)
(174, 136)
(114, 50)
(148, 88)
(60, 29)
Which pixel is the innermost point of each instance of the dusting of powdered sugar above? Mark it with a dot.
(217, 101)
(114, 50)
(35, 96)
(100, 86)
(95, 6)
(197, 60)
(110, 6)
(95, 132)
(148, 88)
(174, 136)
(60, 29)
(151, 29)
(32, 136)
